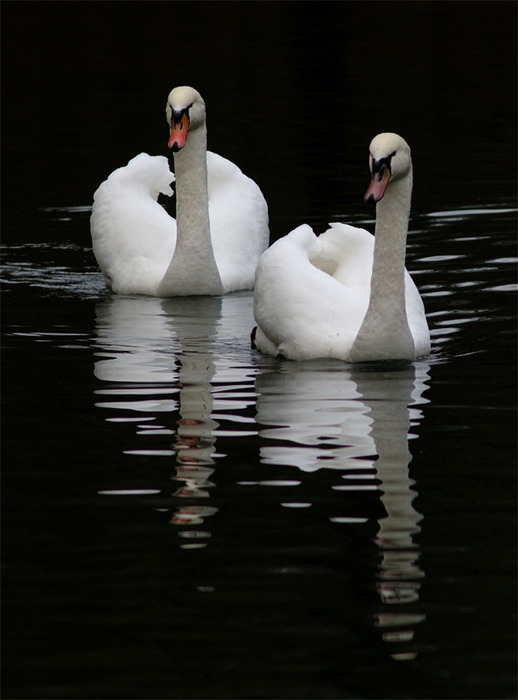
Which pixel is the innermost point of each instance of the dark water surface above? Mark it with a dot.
(183, 518)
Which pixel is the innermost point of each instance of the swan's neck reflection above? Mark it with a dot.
(150, 346)
(359, 413)
(390, 402)
(195, 441)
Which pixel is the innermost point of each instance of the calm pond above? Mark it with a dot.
(183, 517)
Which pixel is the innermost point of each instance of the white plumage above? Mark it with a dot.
(346, 294)
(220, 230)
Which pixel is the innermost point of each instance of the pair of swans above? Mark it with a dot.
(344, 294)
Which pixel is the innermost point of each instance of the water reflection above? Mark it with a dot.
(163, 359)
(358, 421)
(183, 366)
(195, 441)
(479, 263)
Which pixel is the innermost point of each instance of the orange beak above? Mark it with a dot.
(179, 131)
(378, 185)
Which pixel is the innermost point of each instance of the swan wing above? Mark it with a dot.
(133, 236)
(346, 254)
(302, 309)
(238, 216)
(416, 317)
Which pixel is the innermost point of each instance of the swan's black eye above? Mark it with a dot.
(178, 114)
(382, 163)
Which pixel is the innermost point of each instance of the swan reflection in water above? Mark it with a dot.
(161, 358)
(175, 367)
(318, 415)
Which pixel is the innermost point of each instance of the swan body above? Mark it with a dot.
(346, 294)
(221, 225)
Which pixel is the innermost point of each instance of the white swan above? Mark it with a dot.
(346, 294)
(221, 227)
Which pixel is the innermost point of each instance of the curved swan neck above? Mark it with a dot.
(193, 268)
(385, 333)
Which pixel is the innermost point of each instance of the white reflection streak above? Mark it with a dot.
(392, 397)
(195, 442)
(330, 416)
(153, 349)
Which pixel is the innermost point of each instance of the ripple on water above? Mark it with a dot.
(203, 432)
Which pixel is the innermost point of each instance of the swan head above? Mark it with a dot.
(389, 160)
(185, 111)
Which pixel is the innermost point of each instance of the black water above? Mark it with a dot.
(183, 518)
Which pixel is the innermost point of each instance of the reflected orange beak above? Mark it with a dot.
(378, 185)
(179, 131)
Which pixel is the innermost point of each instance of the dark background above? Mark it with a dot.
(98, 599)
(294, 91)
